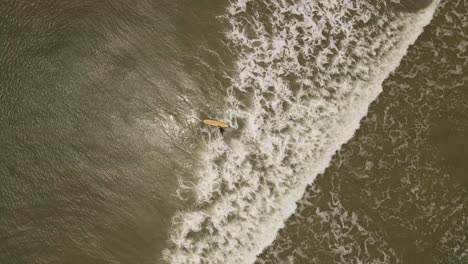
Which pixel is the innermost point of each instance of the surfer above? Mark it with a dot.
(216, 123)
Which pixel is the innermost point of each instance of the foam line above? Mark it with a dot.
(307, 73)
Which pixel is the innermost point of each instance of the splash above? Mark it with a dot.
(307, 72)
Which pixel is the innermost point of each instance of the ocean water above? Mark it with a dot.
(396, 192)
(348, 140)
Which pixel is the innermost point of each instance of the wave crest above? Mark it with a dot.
(307, 73)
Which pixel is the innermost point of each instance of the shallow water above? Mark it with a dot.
(397, 192)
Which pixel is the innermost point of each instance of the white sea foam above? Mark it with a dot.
(307, 73)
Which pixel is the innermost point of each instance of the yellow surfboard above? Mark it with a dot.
(215, 123)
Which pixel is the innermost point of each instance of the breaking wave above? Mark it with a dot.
(306, 74)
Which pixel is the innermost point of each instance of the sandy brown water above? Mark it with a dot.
(397, 192)
(100, 103)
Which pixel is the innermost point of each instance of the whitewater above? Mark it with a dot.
(307, 72)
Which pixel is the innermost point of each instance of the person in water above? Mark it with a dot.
(221, 130)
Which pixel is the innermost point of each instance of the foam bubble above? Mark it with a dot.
(307, 73)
